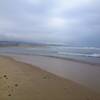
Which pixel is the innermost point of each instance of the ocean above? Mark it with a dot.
(84, 54)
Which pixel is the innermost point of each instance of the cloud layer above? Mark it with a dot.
(49, 20)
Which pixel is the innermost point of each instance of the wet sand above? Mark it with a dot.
(83, 73)
(20, 81)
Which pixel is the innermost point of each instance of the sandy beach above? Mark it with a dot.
(20, 81)
(82, 73)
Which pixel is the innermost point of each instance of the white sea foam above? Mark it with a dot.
(80, 54)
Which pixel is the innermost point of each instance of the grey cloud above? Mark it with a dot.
(22, 17)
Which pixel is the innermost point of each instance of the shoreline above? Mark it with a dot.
(55, 57)
(72, 59)
(20, 80)
(82, 73)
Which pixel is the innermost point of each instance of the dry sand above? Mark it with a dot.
(20, 81)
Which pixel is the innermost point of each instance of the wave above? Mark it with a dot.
(67, 47)
(87, 48)
(79, 54)
(95, 55)
(57, 51)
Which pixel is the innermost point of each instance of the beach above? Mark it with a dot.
(21, 81)
(86, 74)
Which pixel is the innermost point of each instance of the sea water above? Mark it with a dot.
(84, 54)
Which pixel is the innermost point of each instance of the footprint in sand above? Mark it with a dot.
(45, 77)
(16, 85)
(9, 87)
(5, 76)
(9, 94)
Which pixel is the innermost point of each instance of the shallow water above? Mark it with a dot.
(85, 54)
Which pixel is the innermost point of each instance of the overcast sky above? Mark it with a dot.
(49, 20)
